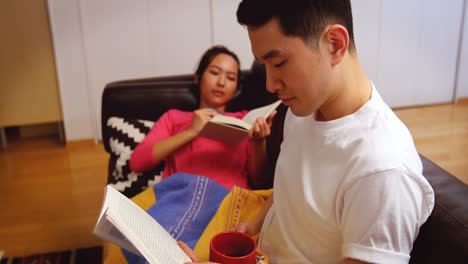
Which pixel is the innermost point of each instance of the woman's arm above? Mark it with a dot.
(256, 163)
(166, 147)
(159, 144)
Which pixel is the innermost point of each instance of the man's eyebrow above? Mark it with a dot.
(271, 54)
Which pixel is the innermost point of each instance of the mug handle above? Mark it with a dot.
(261, 258)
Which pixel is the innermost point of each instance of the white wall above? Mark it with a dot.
(228, 32)
(462, 82)
(418, 51)
(98, 42)
(71, 69)
(407, 47)
(125, 39)
(366, 23)
(180, 33)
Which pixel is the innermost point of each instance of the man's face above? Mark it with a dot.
(296, 72)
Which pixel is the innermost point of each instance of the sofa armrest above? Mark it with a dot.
(444, 237)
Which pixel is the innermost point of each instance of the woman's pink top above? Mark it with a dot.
(223, 163)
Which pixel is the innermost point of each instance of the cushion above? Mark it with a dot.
(124, 136)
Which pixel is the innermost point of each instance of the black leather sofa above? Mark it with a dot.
(442, 239)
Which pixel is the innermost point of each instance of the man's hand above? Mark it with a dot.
(255, 226)
(200, 118)
(261, 127)
(250, 229)
(191, 254)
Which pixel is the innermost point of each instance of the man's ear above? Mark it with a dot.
(337, 39)
(195, 79)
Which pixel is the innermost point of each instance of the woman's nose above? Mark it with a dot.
(221, 80)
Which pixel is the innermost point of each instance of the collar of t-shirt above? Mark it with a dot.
(361, 116)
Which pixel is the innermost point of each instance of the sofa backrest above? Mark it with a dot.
(147, 100)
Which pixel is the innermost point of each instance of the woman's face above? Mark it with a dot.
(219, 82)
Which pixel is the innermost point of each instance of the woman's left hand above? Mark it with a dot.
(261, 127)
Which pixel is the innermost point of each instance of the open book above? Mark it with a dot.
(232, 130)
(125, 224)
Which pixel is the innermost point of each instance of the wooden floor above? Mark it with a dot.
(441, 135)
(50, 195)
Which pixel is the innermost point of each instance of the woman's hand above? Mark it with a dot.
(200, 118)
(261, 127)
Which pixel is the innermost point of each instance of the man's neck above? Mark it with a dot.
(351, 91)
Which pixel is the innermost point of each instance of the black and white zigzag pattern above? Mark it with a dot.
(125, 134)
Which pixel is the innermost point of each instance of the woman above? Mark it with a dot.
(174, 138)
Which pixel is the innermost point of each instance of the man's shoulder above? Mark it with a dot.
(384, 153)
(382, 144)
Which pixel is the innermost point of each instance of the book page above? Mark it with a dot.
(147, 235)
(232, 121)
(106, 230)
(263, 111)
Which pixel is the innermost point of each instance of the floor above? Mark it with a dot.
(441, 134)
(50, 195)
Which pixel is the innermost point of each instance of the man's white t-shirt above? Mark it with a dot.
(347, 188)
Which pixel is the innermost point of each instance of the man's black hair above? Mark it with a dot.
(301, 18)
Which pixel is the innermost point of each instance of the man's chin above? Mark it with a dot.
(297, 111)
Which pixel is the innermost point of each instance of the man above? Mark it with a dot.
(348, 183)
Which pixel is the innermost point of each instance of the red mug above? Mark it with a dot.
(233, 247)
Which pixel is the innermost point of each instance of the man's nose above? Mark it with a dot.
(272, 84)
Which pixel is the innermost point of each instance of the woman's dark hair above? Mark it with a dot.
(206, 59)
(301, 18)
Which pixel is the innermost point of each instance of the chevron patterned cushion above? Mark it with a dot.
(124, 137)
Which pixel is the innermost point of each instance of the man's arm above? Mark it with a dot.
(382, 213)
(353, 261)
(254, 227)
